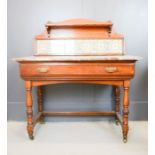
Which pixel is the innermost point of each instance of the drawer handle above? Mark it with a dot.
(111, 69)
(43, 70)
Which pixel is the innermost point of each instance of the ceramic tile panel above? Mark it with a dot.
(80, 47)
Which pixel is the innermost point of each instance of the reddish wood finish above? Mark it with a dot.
(79, 33)
(79, 29)
(29, 104)
(126, 87)
(40, 102)
(76, 70)
(113, 72)
(79, 22)
(84, 81)
(86, 113)
(117, 101)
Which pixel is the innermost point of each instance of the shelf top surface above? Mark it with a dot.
(79, 22)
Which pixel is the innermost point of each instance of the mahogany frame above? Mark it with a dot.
(122, 119)
(78, 29)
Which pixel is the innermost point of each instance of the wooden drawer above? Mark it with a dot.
(76, 69)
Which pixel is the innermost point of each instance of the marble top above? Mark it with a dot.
(77, 58)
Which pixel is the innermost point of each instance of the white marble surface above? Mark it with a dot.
(77, 58)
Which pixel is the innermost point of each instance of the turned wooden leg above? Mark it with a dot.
(40, 103)
(125, 110)
(117, 102)
(29, 104)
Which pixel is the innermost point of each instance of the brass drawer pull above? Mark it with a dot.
(111, 69)
(43, 70)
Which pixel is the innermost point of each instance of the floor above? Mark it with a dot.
(77, 138)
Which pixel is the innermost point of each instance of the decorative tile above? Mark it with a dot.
(79, 47)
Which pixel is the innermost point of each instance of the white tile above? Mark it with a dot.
(80, 47)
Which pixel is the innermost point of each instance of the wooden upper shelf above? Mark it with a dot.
(79, 29)
(79, 23)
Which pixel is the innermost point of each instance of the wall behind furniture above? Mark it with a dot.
(26, 18)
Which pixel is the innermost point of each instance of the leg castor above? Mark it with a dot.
(125, 140)
(31, 137)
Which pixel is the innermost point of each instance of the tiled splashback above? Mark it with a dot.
(80, 47)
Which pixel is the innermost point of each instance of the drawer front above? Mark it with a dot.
(76, 69)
